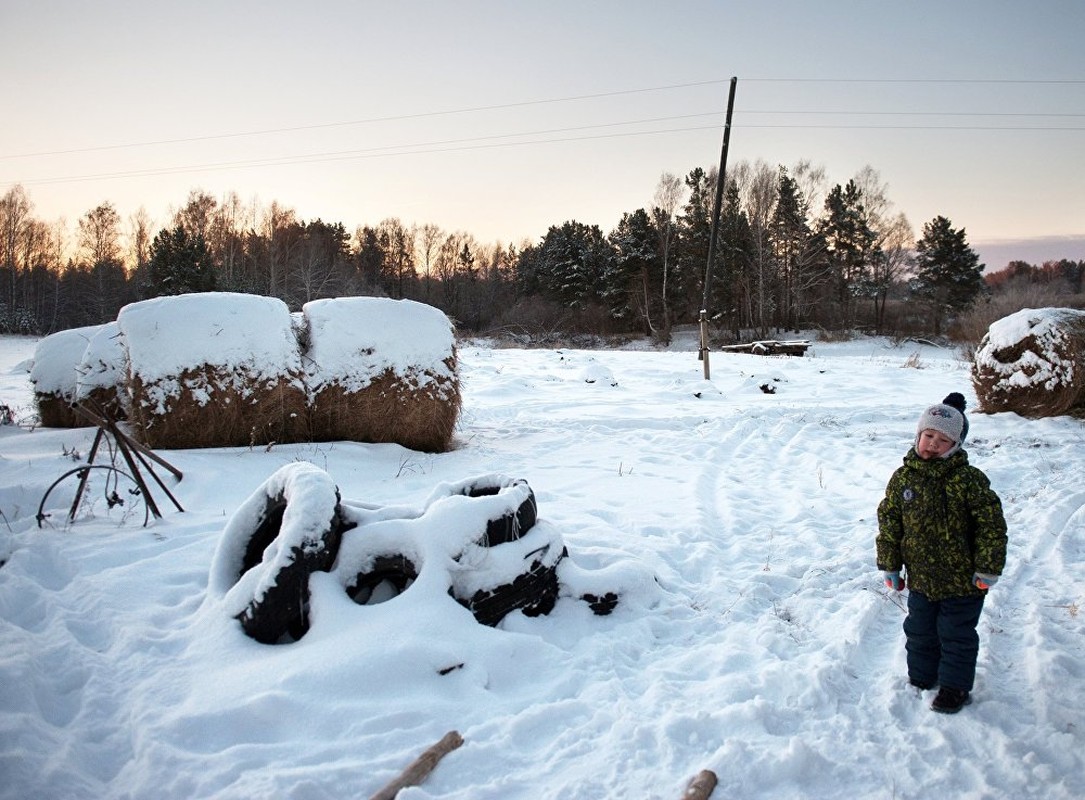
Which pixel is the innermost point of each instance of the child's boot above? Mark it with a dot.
(950, 701)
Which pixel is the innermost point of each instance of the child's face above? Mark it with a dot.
(933, 444)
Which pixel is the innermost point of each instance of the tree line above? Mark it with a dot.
(792, 253)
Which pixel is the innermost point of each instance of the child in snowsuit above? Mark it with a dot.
(943, 524)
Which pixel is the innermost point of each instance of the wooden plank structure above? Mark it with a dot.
(769, 347)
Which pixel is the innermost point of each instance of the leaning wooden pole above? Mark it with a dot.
(421, 767)
(720, 181)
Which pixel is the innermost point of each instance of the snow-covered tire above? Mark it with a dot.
(517, 517)
(290, 527)
(492, 581)
(533, 592)
(395, 570)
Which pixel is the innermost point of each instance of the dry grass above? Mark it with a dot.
(109, 400)
(55, 411)
(391, 410)
(996, 373)
(275, 411)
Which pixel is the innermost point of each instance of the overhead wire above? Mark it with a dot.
(493, 141)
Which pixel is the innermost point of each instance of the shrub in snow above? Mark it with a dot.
(1032, 363)
(214, 369)
(381, 370)
(101, 372)
(55, 375)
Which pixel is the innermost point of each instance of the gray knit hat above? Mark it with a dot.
(947, 418)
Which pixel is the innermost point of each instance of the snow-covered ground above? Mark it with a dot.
(762, 644)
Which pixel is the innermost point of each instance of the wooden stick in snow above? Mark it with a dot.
(421, 767)
(702, 786)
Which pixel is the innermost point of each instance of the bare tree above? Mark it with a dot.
(811, 181)
(896, 242)
(760, 200)
(15, 208)
(667, 198)
(197, 215)
(99, 235)
(276, 228)
(427, 244)
(227, 236)
(398, 243)
(140, 235)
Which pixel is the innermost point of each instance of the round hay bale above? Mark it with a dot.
(55, 375)
(1032, 363)
(101, 372)
(381, 371)
(214, 369)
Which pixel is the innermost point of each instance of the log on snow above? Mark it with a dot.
(421, 767)
(702, 786)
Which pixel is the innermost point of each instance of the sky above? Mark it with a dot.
(752, 635)
(503, 119)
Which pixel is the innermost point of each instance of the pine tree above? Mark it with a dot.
(632, 286)
(179, 264)
(948, 272)
(850, 244)
(733, 247)
(797, 250)
(572, 262)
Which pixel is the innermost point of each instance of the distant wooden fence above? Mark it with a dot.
(769, 348)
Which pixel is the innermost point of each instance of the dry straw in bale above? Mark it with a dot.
(213, 370)
(1032, 363)
(381, 371)
(243, 410)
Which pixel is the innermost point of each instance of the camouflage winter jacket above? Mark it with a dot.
(942, 522)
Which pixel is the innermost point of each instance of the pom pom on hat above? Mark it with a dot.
(947, 418)
(956, 400)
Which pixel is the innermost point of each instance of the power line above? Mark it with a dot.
(526, 103)
(964, 81)
(371, 120)
(477, 143)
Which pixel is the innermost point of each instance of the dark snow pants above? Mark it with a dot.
(942, 641)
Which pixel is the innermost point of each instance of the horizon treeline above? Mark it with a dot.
(792, 253)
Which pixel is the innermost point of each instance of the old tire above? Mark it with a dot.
(288, 529)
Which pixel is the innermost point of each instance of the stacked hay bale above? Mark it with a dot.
(55, 375)
(381, 370)
(1032, 363)
(101, 372)
(215, 369)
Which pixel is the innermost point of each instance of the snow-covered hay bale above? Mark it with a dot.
(100, 381)
(1032, 363)
(381, 370)
(55, 375)
(214, 369)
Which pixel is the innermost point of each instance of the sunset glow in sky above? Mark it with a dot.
(502, 119)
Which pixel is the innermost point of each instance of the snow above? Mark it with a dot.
(248, 336)
(753, 636)
(56, 359)
(103, 363)
(353, 340)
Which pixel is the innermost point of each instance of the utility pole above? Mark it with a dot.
(720, 180)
